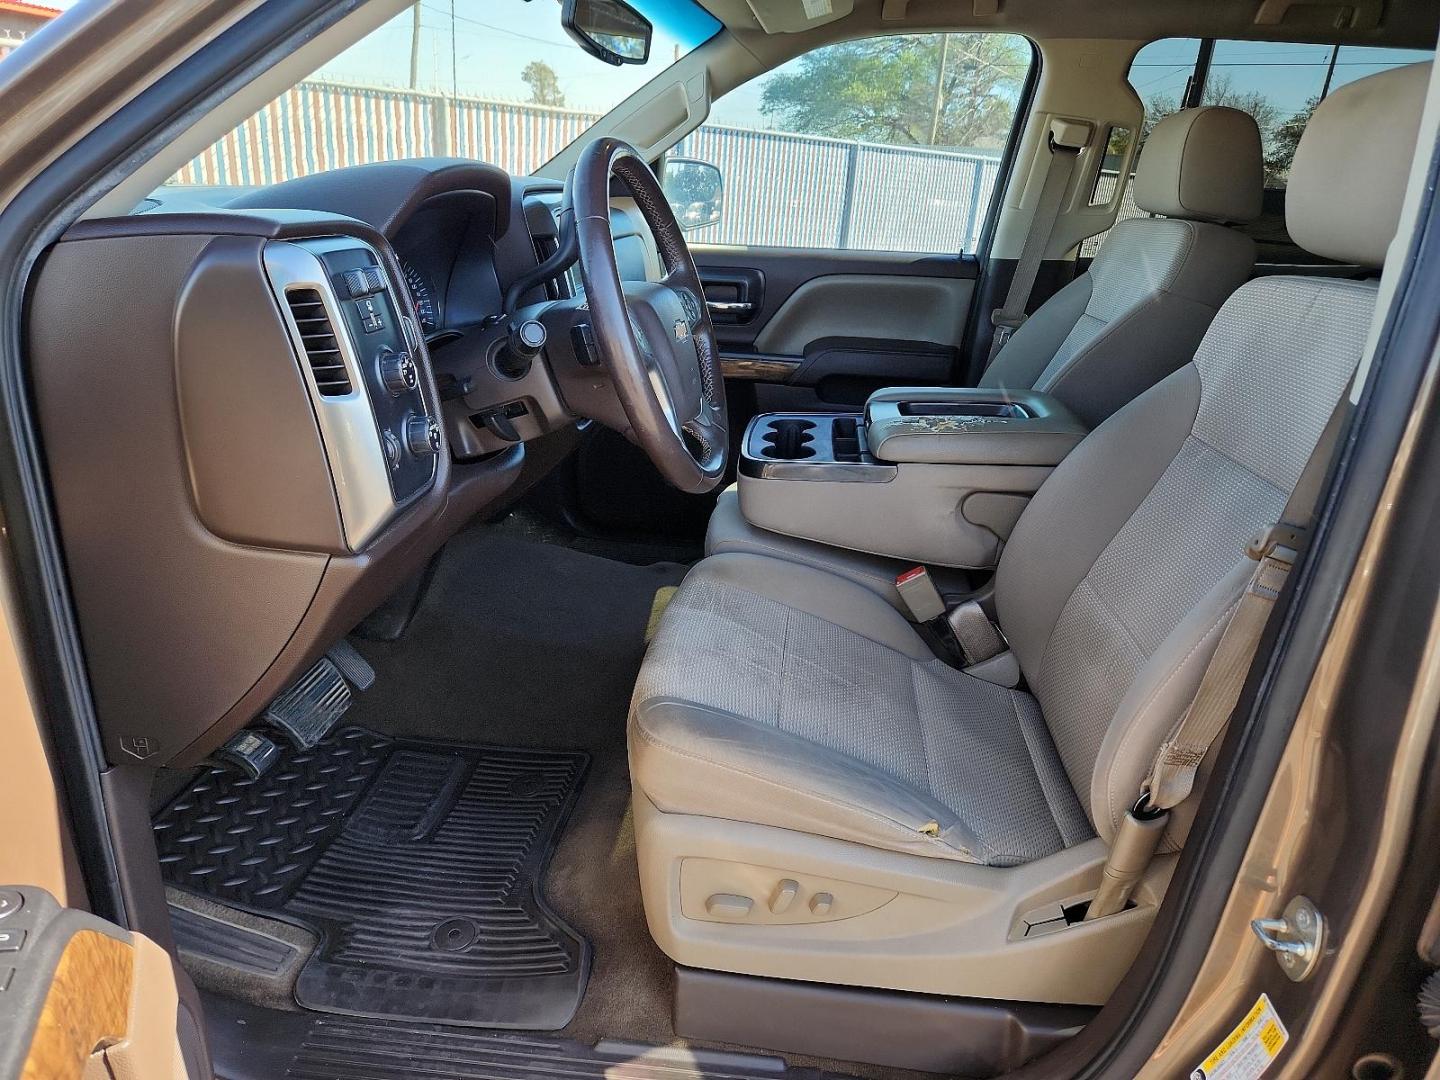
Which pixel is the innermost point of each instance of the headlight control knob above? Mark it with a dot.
(422, 436)
(398, 372)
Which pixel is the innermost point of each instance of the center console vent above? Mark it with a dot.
(321, 347)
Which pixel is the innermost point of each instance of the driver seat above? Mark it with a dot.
(818, 797)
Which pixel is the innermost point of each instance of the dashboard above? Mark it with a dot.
(312, 397)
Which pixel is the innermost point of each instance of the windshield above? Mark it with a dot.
(495, 80)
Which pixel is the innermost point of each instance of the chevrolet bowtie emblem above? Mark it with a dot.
(682, 330)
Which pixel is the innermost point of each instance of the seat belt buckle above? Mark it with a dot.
(979, 639)
(1004, 325)
(1280, 542)
(1134, 845)
(919, 594)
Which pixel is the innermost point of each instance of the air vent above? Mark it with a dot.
(322, 348)
(557, 288)
(540, 220)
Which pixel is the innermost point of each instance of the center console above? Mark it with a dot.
(934, 475)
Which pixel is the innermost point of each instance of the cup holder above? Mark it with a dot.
(789, 440)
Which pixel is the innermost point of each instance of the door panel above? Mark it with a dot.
(831, 326)
(84, 998)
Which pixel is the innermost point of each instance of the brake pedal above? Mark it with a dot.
(250, 752)
(308, 710)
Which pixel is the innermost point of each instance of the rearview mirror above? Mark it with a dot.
(695, 191)
(610, 30)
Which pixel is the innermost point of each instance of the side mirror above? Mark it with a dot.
(695, 191)
(609, 30)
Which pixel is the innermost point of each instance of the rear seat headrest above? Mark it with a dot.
(1348, 179)
(1204, 164)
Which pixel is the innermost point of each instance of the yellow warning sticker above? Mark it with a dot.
(1248, 1050)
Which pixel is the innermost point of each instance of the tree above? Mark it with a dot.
(916, 90)
(543, 82)
(1280, 152)
(1219, 90)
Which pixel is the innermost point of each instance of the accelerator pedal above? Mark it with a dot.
(308, 710)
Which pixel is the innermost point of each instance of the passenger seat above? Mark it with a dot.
(1137, 315)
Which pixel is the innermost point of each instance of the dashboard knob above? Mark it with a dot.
(422, 436)
(398, 372)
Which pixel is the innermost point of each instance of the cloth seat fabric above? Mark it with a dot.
(790, 697)
(783, 695)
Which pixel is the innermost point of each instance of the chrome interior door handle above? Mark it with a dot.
(730, 307)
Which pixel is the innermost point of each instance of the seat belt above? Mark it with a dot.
(1172, 775)
(1064, 140)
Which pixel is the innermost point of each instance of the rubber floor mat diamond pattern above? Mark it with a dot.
(417, 865)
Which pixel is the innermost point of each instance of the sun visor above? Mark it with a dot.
(790, 16)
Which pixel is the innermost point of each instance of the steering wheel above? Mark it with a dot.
(655, 338)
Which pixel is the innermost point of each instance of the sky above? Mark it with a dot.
(1289, 75)
(481, 47)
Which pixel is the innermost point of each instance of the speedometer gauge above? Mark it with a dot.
(421, 298)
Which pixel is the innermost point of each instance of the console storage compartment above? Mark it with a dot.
(937, 475)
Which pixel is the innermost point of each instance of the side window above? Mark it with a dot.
(881, 144)
(1278, 83)
(1161, 74)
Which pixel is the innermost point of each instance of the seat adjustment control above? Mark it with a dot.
(821, 903)
(728, 906)
(783, 896)
(422, 436)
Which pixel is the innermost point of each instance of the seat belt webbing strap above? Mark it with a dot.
(1172, 776)
(1007, 319)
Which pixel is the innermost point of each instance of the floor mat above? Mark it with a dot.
(417, 864)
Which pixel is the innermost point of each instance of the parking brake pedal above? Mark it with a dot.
(352, 665)
(309, 709)
(250, 752)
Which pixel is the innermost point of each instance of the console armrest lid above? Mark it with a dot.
(970, 426)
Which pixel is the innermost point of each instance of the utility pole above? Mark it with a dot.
(415, 47)
(939, 89)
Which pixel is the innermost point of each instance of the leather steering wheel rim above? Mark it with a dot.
(687, 439)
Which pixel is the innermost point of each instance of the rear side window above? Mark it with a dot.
(1278, 83)
(886, 143)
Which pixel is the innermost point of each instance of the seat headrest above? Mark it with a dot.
(1203, 164)
(1348, 179)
